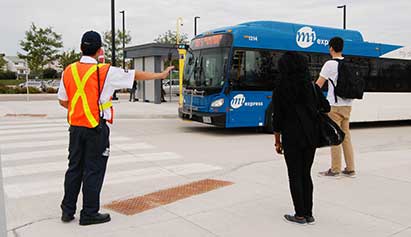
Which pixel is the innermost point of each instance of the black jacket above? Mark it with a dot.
(296, 119)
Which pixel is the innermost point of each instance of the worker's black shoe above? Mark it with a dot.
(96, 219)
(66, 217)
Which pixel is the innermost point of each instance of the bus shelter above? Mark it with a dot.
(150, 57)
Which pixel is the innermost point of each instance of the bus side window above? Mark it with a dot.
(394, 75)
(237, 70)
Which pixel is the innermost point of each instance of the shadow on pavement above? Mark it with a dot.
(217, 131)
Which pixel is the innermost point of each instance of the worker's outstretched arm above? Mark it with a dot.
(141, 75)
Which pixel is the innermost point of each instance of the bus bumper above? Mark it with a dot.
(216, 119)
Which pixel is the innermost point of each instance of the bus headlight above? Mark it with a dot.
(217, 103)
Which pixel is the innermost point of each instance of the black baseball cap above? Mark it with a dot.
(91, 38)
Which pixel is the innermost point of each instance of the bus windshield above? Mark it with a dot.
(205, 68)
(206, 63)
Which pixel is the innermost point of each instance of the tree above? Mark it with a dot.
(170, 37)
(3, 62)
(68, 57)
(119, 45)
(42, 46)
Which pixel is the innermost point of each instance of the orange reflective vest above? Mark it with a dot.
(80, 82)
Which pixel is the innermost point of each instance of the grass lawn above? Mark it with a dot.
(12, 82)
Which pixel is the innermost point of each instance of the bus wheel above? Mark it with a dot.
(268, 126)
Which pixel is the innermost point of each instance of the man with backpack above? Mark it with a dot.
(344, 85)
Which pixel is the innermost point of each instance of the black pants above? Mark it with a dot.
(88, 155)
(132, 95)
(299, 162)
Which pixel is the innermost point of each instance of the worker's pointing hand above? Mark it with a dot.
(166, 72)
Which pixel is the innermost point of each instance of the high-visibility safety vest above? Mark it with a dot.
(80, 82)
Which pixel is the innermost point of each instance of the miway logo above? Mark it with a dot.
(306, 37)
(237, 101)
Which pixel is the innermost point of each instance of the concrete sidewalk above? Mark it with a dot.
(376, 203)
(47, 106)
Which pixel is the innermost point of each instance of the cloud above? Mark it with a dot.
(377, 20)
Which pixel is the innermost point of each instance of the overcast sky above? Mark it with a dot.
(378, 20)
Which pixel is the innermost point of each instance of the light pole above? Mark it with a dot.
(195, 25)
(179, 23)
(124, 38)
(113, 42)
(113, 35)
(344, 15)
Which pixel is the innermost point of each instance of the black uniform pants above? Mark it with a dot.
(88, 155)
(299, 162)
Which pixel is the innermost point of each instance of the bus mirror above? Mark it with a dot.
(190, 60)
(227, 89)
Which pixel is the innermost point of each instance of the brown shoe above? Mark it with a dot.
(329, 173)
(349, 173)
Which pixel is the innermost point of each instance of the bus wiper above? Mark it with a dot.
(193, 70)
(200, 74)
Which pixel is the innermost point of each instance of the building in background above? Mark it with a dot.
(17, 65)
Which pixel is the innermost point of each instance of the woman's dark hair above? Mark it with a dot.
(295, 80)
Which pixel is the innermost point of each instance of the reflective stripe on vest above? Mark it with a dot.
(106, 105)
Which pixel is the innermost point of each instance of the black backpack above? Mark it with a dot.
(350, 83)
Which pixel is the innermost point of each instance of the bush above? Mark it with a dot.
(50, 73)
(51, 90)
(32, 90)
(8, 75)
(6, 89)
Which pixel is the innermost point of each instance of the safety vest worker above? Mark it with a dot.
(83, 83)
(85, 91)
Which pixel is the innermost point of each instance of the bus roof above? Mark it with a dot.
(306, 38)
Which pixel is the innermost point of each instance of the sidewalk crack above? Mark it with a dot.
(241, 166)
(400, 231)
(15, 229)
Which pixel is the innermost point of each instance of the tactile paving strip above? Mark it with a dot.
(143, 203)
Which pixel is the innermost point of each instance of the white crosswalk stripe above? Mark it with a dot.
(34, 156)
(33, 130)
(21, 137)
(62, 153)
(61, 166)
(30, 121)
(40, 144)
(29, 126)
(52, 186)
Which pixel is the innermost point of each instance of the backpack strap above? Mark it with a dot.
(335, 95)
(338, 61)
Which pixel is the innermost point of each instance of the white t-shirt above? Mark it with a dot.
(116, 79)
(330, 72)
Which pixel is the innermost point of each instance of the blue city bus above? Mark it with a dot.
(230, 72)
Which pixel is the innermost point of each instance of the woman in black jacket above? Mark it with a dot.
(295, 126)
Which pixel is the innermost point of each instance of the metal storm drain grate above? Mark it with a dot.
(143, 203)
